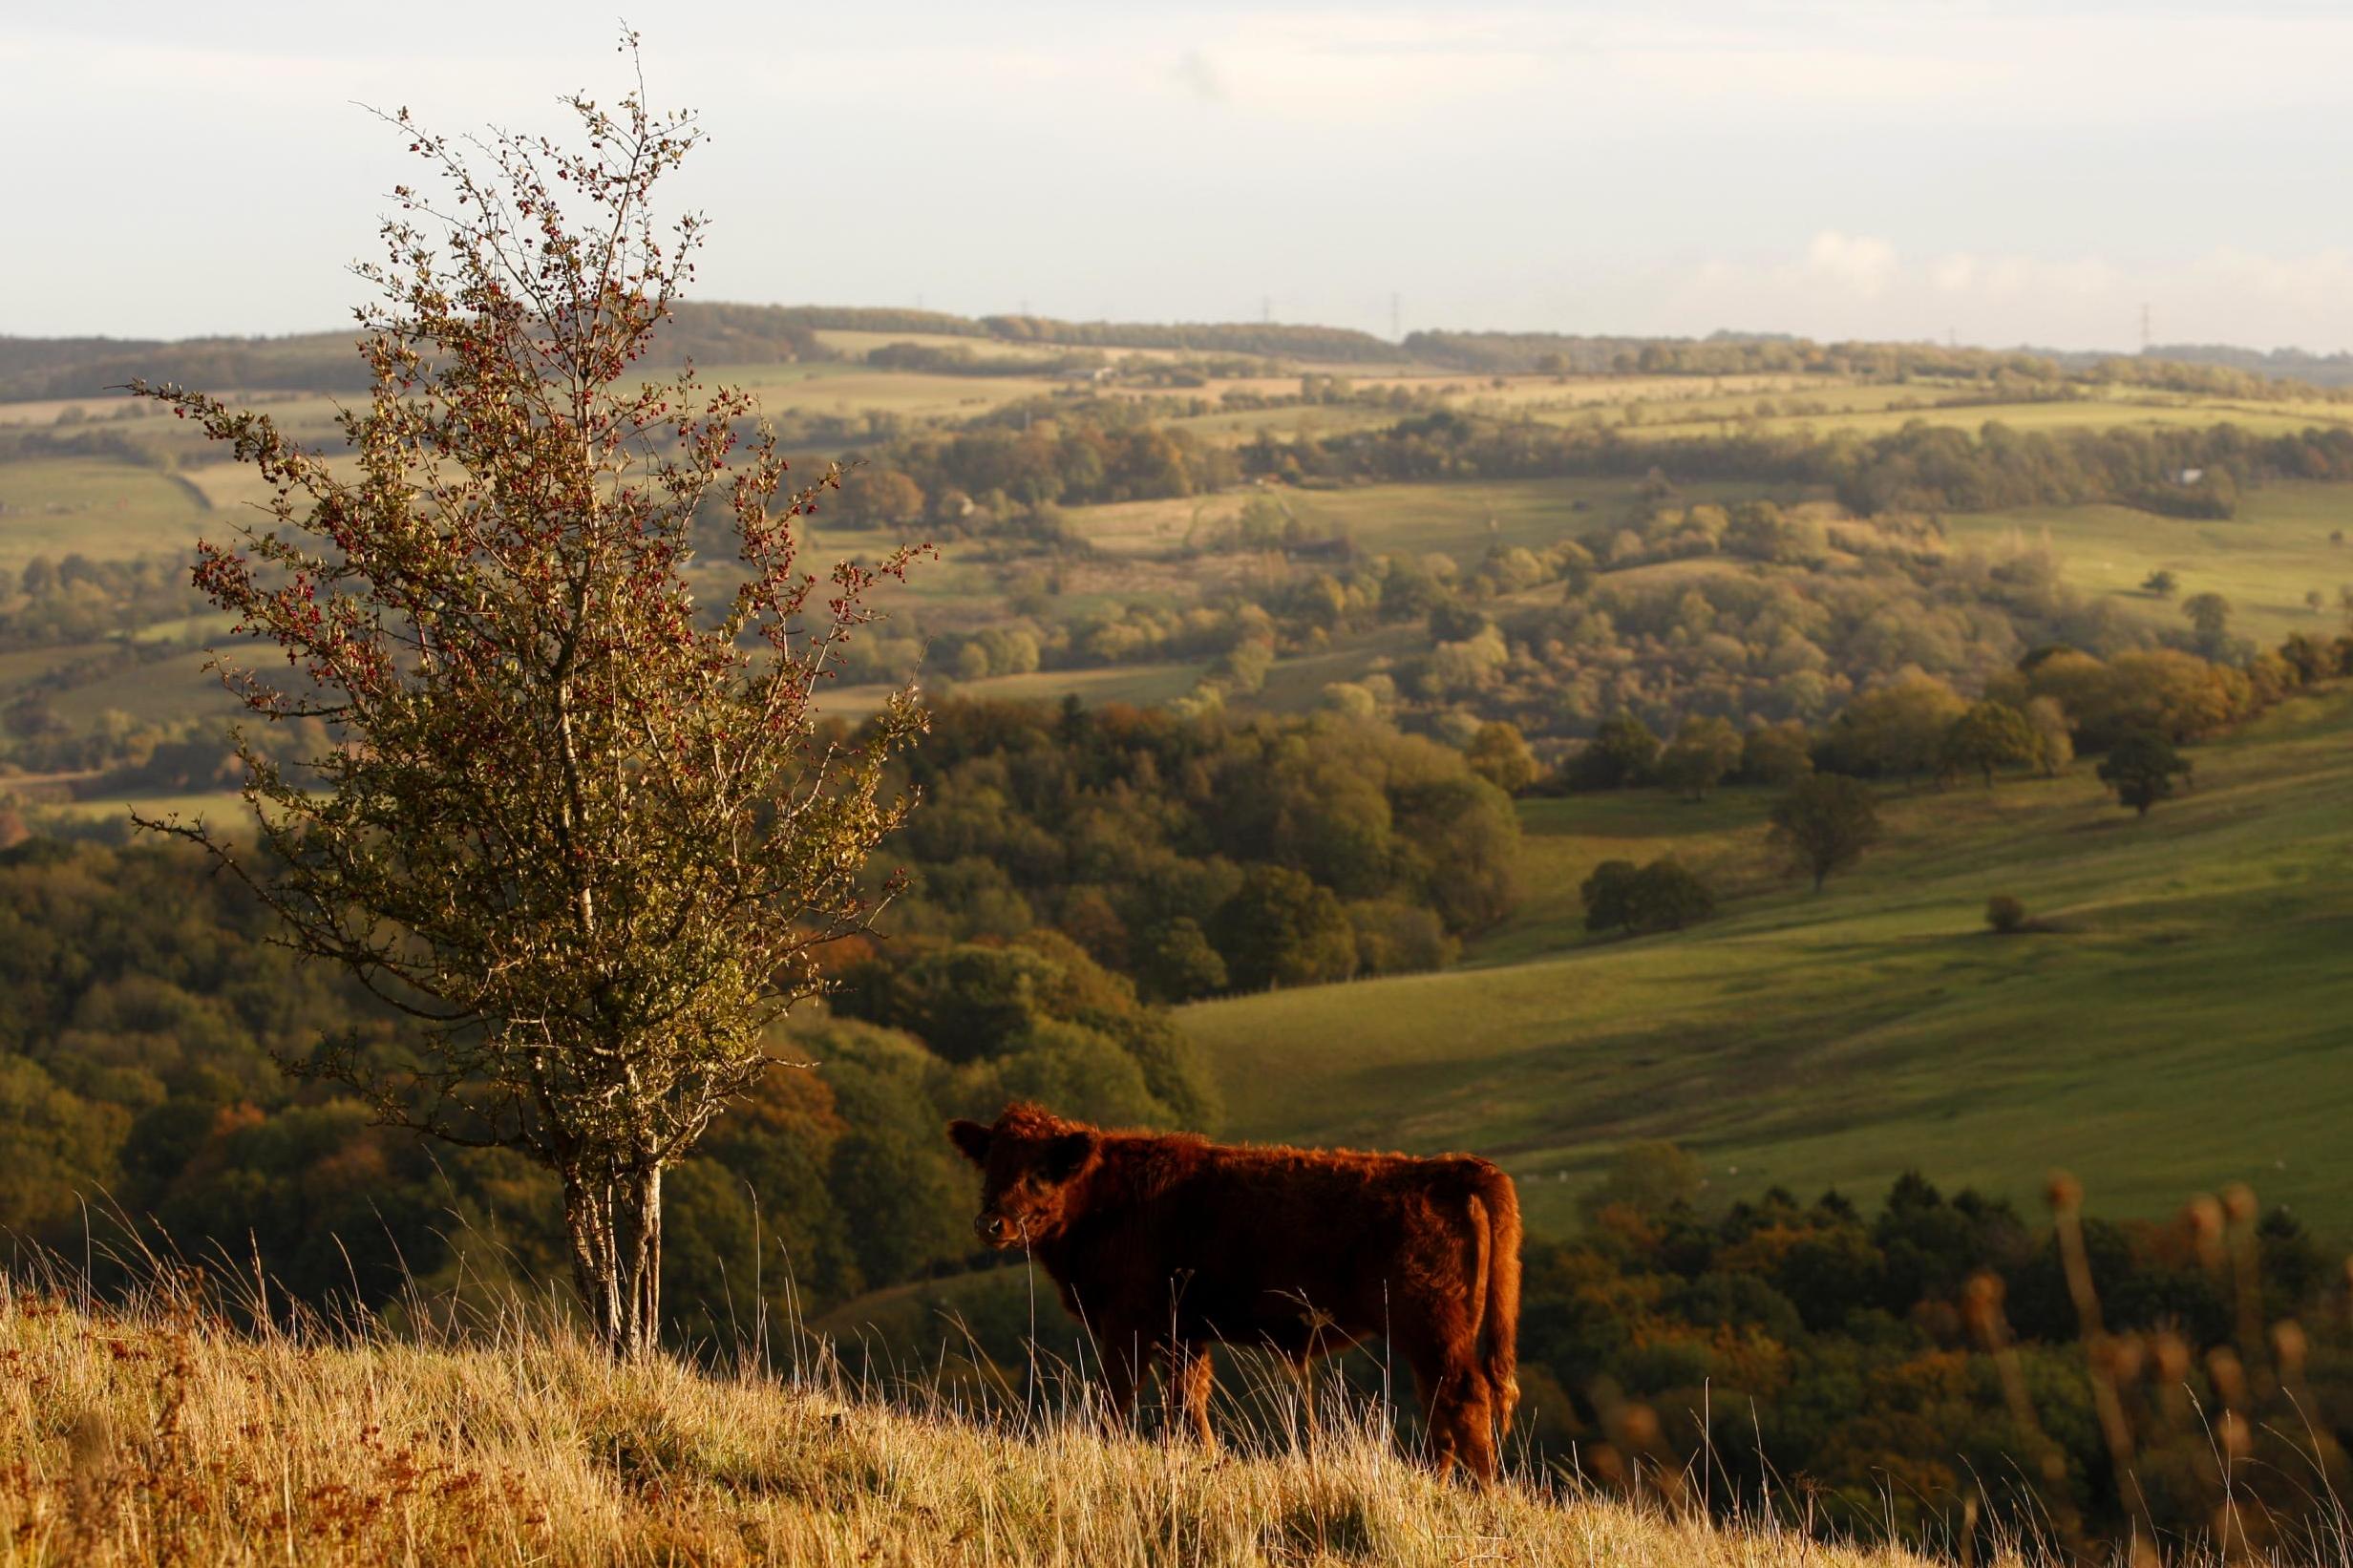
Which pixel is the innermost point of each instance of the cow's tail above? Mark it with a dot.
(1495, 1214)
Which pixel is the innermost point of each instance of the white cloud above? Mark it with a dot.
(1855, 262)
(1201, 77)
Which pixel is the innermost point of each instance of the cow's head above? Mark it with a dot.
(1029, 1164)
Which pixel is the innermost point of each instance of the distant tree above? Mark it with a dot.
(1453, 621)
(2005, 914)
(1824, 823)
(1648, 1179)
(1176, 963)
(2161, 583)
(1665, 896)
(2210, 615)
(1991, 735)
(1896, 729)
(1705, 750)
(1574, 566)
(2314, 600)
(2054, 735)
(586, 835)
(1776, 753)
(1609, 892)
(2141, 769)
(1662, 895)
(1500, 755)
(1762, 531)
(881, 497)
(1280, 928)
(2310, 658)
(1625, 751)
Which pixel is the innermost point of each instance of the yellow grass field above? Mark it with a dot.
(148, 1437)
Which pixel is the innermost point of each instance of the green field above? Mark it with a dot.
(221, 808)
(59, 505)
(1142, 684)
(1462, 519)
(1870, 412)
(2187, 1025)
(2264, 560)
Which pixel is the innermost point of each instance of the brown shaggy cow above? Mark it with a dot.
(1162, 1243)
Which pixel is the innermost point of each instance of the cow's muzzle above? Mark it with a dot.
(997, 1230)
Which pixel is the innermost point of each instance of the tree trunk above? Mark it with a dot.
(615, 1221)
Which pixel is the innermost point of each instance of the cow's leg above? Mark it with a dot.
(1191, 1378)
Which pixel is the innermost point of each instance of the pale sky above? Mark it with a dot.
(1999, 170)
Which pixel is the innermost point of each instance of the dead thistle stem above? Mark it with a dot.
(2100, 1350)
(1990, 1326)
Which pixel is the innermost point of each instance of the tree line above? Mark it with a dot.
(1920, 468)
(1207, 853)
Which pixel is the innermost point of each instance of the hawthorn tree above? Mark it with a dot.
(581, 823)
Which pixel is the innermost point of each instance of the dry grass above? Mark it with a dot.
(153, 1436)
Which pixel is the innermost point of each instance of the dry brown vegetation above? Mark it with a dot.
(160, 1435)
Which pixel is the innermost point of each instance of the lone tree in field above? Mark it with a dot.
(581, 826)
(2209, 616)
(2141, 769)
(1824, 823)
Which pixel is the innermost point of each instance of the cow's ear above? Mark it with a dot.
(972, 1140)
(1067, 1153)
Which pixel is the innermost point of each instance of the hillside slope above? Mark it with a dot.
(130, 1439)
(2181, 1028)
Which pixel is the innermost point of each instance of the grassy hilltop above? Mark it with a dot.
(142, 1439)
(2177, 1029)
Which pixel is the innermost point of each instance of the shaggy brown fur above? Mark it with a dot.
(1161, 1244)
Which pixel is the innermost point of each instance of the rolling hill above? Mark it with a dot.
(2179, 1027)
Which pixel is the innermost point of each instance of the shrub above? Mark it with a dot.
(1609, 892)
(2005, 915)
(1662, 895)
(1668, 897)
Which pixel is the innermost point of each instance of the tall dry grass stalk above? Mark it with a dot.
(155, 1432)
